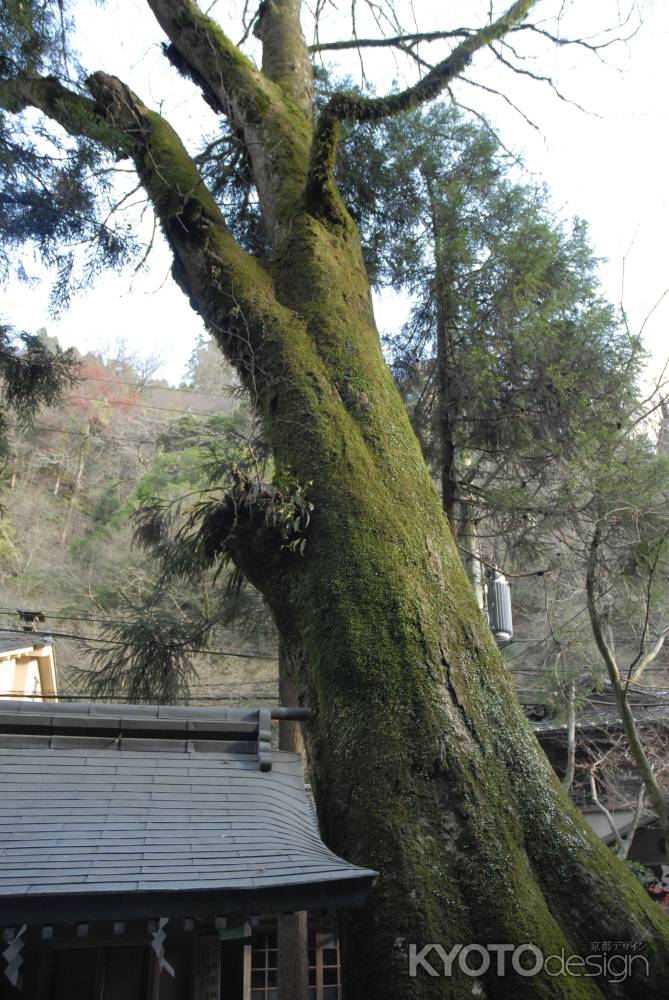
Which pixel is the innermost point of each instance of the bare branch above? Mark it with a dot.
(395, 41)
(504, 97)
(605, 812)
(486, 124)
(540, 78)
(631, 833)
(649, 657)
(595, 47)
(655, 794)
(646, 622)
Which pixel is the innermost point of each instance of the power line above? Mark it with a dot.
(93, 437)
(80, 616)
(119, 642)
(75, 616)
(161, 388)
(143, 406)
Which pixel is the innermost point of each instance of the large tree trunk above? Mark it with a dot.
(423, 764)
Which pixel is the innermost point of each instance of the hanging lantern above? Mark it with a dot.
(500, 616)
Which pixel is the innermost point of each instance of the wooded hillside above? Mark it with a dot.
(70, 486)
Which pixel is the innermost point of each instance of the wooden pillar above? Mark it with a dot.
(292, 930)
(293, 975)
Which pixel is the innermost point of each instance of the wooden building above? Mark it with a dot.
(601, 750)
(27, 666)
(145, 853)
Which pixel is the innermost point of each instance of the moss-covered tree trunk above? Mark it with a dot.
(423, 764)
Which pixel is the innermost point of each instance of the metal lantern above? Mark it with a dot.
(500, 616)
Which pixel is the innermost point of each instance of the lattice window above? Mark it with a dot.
(264, 967)
(324, 971)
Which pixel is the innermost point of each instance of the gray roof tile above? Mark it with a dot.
(108, 822)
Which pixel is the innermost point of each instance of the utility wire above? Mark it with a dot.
(104, 437)
(83, 617)
(76, 616)
(94, 437)
(143, 406)
(118, 642)
(147, 387)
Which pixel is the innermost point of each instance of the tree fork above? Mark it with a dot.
(276, 129)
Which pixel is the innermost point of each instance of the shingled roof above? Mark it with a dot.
(114, 812)
(11, 642)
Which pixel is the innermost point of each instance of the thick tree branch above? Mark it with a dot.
(285, 57)
(231, 290)
(203, 47)
(354, 107)
(277, 135)
(77, 114)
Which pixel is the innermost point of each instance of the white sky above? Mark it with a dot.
(608, 166)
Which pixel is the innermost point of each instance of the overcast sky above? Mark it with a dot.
(607, 164)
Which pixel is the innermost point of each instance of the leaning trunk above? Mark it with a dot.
(423, 764)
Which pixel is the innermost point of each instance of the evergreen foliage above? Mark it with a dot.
(31, 376)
